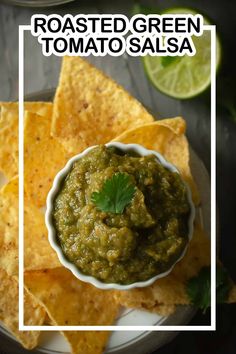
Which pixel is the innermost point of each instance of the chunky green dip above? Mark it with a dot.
(135, 245)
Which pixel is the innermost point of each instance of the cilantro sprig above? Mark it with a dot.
(117, 192)
(199, 287)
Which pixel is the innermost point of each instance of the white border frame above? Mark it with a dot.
(212, 326)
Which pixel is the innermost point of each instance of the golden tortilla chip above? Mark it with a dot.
(38, 253)
(69, 301)
(167, 137)
(163, 310)
(87, 342)
(44, 157)
(34, 314)
(170, 290)
(9, 227)
(90, 108)
(176, 124)
(9, 133)
(8, 142)
(39, 107)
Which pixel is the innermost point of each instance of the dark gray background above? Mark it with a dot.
(42, 73)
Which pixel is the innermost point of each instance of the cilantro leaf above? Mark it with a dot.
(116, 193)
(199, 287)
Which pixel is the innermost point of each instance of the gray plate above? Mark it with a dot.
(140, 342)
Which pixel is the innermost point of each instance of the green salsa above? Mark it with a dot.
(135, 245)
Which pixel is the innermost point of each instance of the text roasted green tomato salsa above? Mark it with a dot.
(142, 239)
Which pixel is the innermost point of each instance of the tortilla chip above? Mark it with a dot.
(44, 157)
(8, 143)
(167, 137)
(12, 108)
(176, 124)
(68, 301)
(156, 135)
(38, 253)
(87, 342)
(9, 133)
(34, 314)
(163, 310)
(170, 290)
(9, 227)
(90, 108)
(58, 290)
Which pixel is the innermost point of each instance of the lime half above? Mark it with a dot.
(183, 77)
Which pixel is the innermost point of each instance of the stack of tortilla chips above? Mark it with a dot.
(89, 108)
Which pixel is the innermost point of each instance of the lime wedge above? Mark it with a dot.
(183, 77)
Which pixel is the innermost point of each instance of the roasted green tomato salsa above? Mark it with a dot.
(121, 217)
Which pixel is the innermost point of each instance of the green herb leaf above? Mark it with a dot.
(223, 285)
(199, 287)
(116, 193)
(166, 61)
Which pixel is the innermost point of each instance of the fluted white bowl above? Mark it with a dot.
(52, 232)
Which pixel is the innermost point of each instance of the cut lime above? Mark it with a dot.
(183, 77)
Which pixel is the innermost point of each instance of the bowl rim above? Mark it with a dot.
(52, 232)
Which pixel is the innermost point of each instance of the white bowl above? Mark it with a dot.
(52, 232)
